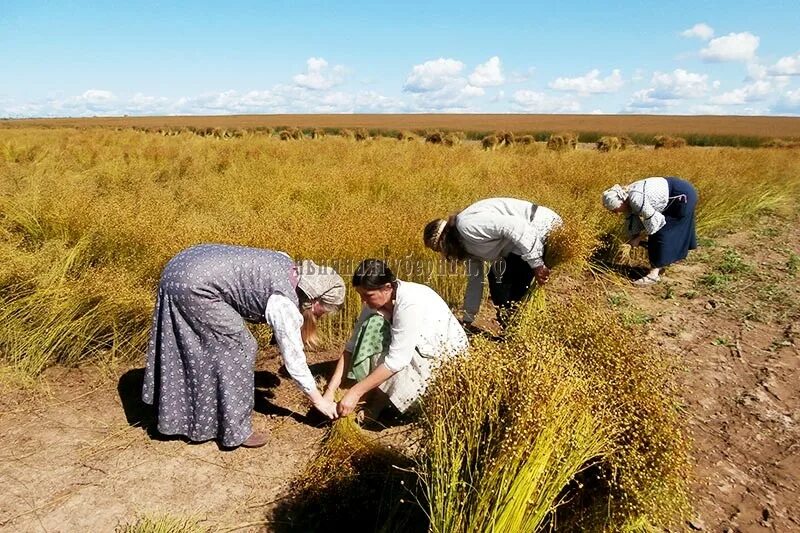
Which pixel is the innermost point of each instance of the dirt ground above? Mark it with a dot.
(78, 452)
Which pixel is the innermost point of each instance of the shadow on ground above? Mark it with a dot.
(369, 493)
(140, 414)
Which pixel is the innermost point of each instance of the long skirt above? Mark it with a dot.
(510, 279)
(200, 367)
(405, 387)
(673, 241)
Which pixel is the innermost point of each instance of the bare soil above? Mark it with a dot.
(79, 453)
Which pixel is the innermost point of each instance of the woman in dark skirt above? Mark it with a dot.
(509, 233)
(201, 358)
(663, 209)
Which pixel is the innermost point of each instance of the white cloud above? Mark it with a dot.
(706, 109)
(489, 74)
(319, 76)
(679, 84)
(433, 75)
(536, 102)
(756, 71)
(455, 97)
(753, 92)
(590, 83)
(279, 99)
(521, 77)
(788, 104)
(645, 100)
(731, 47)
(667, 91)
(96, 96)
(786, 66)
(439, 85)
(700, 30)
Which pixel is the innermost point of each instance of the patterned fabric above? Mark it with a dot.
(373, 340)
(647, 199)
(201, 356)
(285, 319)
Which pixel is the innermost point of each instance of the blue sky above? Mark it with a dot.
(60, 58)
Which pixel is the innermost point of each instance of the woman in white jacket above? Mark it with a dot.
(405, 329)
(508, 232)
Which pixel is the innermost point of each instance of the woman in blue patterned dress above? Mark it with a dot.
(201, 356)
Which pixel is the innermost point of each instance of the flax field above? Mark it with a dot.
(571, 422)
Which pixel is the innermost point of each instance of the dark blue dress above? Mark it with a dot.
(673, 241)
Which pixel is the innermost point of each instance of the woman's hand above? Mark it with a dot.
(634, 242)
(348, 403)
(326, 407)
(542, 274)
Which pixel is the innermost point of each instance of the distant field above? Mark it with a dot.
(717, 126)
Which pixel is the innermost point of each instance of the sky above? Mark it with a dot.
(109, 58)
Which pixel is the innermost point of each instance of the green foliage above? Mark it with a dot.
(793, 264)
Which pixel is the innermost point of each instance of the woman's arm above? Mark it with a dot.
(285, 320)
(336, 378)
(375, 378)
(474, 292)
(407, 323)
(651, 219)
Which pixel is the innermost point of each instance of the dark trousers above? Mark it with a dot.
(509, 281)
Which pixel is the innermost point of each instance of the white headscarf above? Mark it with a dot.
(436, 238)
(321, 283)
(614, 197)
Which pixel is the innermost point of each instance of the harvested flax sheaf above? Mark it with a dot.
(434, 137)
(361, 134)
(355, 482)
(626, 142)
(451, 139)
(406, 136)
(318, 133)
(526, 139)
(347, 134)
(291, 134)
(665, 141)
(490, 142)
(609, 144)
(506, 138)
(780, 143)
(569, 421)
(562, 141)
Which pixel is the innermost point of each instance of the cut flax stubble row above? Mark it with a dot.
(556, 141)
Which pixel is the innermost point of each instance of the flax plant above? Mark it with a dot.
(134, 199)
